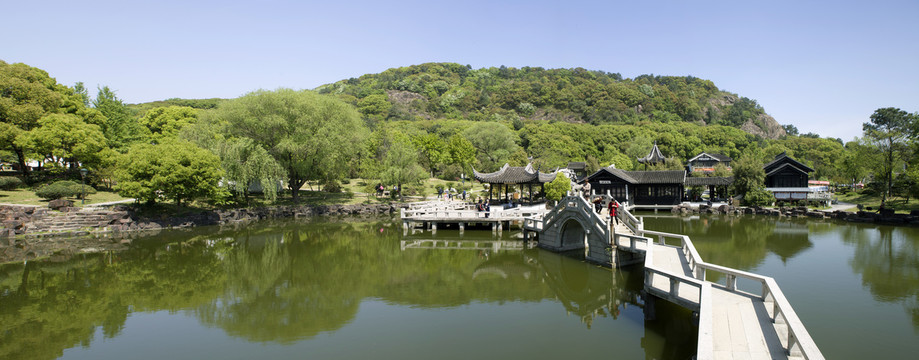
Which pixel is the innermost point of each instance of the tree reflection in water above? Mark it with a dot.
(887, 258)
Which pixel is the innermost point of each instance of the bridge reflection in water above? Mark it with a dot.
(583, 289)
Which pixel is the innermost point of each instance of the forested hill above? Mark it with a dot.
(454, 91)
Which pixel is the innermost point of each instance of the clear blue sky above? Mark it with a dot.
(821, 66)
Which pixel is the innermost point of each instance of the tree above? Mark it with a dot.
(494, 141)
(376, 106)
(65, 139)
(462, 152)
(557, 188)
(166, 122)
(887, 133)
(173, 169)
(433, 151)
(246, 163)
(749, 177)
(400, 166)
(26, 95)
(120, 128)
(313, 137)
(790, 129)
(853, 164)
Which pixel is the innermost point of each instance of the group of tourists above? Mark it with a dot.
(480, 207)
(612, 207)
(450, 194)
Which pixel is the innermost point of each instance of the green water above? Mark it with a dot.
(855, 286)
(360, 289)
(328, 290)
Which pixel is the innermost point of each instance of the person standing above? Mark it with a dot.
(613, 210)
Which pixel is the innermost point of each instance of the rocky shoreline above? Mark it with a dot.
(882, 217)
(30, 232)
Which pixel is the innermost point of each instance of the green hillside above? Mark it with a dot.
(454, 91)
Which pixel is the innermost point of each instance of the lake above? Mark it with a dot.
(348, 288)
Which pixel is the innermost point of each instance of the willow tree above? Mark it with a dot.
(311, 136)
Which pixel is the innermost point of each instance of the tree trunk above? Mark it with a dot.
(20, 156)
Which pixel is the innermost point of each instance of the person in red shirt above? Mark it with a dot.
(613, 208)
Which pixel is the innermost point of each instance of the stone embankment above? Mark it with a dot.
(29, 232)
(884, 217)
(37, 221)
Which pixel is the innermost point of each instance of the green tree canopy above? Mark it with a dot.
(27, 94)
(245, 163)
(65, 139)
(120, 127)
(313, 137)
(494, 142)
(887, 133)
(749, 176)
(166, 122)
(174, 169)
(400, 166)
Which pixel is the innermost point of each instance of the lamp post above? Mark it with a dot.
(83, 173)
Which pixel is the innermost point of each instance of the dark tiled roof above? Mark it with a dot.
(784, 158)
(643, 177)
(654, 157)
(659, 177)
(708, 181)
(546, 178)
(513, 175)
(783, 166)
(577, 165)
(719, 157)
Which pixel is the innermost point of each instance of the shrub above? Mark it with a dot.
(63, 189)
(758, 197)
(9, 182)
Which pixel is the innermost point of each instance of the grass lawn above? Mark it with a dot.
(27, 197)
(874, 201)
(356, 191)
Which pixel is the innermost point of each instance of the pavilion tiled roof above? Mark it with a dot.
(654, 157)
(514, 175)
(644, 177)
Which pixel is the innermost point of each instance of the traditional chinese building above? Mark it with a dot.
(639, 187)
(706, 162)
(654, 157)
(514, 176)
(786, 178)
(579, 169)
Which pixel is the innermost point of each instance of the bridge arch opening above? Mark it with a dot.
(572, 234)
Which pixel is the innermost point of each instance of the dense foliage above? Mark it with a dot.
(448, 90)
(174, 170)
(430, 120)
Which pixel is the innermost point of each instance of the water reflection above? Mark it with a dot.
(887, 258)
(738, 242)
(287, 282)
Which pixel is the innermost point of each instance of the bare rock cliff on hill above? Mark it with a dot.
(765, 126)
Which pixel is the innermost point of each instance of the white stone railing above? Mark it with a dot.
(798, 341)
